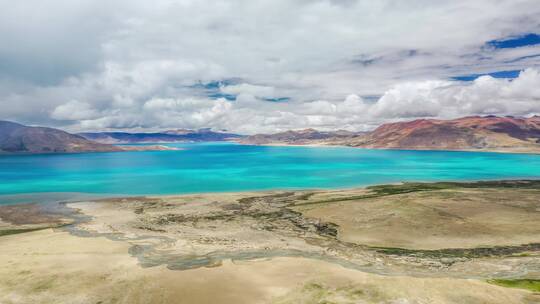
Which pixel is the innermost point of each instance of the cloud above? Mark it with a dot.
(189, 112)
(485, 95)
(250, 89)
(135, 64)
(249, 114)
(74, 110)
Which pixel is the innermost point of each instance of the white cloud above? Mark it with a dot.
(485, 95)
(249, 114)
(189, 112)
(74, 110)
(246, 88)
(136, 64)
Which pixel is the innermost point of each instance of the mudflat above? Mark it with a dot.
(406, 243)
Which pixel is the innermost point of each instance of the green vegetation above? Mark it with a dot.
(17, 231)
(387, 190)
(383, 190)
(529, 284)
(4, 232)
(461, 252)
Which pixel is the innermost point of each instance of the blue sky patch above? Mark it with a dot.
(371, 98)
(499, 74)
(218, 95)
(212, 88)
(277, 99)
(515, 42)
(215, 84)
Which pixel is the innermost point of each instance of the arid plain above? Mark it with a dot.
(404, 243)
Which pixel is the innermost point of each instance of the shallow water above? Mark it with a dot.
(215, 167)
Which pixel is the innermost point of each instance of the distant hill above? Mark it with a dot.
(300, 137)
(467, 133)
(488, 133)
(181, 135)
(17, 138)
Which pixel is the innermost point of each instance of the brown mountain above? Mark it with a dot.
(488, 133)
(299, 137)
(17, 138)
(180, 135)
(467, 133)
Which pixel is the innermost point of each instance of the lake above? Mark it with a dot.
(215, 167)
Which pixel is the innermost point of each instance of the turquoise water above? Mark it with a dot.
(213, 167)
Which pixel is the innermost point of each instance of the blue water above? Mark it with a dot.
(213, 167)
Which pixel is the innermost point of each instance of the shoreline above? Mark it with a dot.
(322, 145)
(122, 148)
(163, 146)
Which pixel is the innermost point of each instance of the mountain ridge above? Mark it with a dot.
(18, 138)
(168, 136)
(471, 133)
(299, 137)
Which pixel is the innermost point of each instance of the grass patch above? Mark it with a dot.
(383, 190)
(17, 231)
(496, 251)
(529, 284)
(24, 230)
(387, 190)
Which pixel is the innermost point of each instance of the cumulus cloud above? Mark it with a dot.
(192, 113)
(250, 114)
(74, 110)
(249, 89)
(280, 64)
(485, 95)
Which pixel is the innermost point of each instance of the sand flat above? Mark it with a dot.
(56, 267)
(282, 247)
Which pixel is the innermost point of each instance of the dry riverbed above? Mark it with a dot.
(409, 243)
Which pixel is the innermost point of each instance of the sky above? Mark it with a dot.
(267, 65)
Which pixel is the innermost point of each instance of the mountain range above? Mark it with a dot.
(301, 137)
(180, 135)
(17, 138)
(477, 133)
